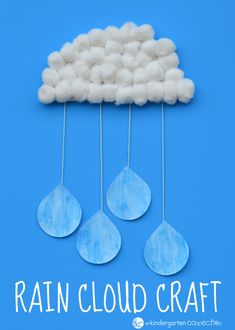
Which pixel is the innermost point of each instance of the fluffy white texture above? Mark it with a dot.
(81, 69)
(128, 32)
(169, 61)
(113, 33)
(155, 91)
(122, 65)
(79, 90)
(109, 92)
(115, 59)
(124, 95)
(174, 74)
(46, 94)
(139, 94)
(56, 61)
(67, 73)
(149, 47)
(96, 74)
(129, 62)
(97, 37)
(95, 93)
(143, 59)
(108, 72)
(132, 48)
(82, 42)
(170, 93)
(50, 77)
(124, 77)
(68, 52)
(139, 76)
(164, 47)
(185, 90)
(97, 55)
(154, 71)
(63, 91)
(113, 47)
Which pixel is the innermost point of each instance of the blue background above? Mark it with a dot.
(199, 158)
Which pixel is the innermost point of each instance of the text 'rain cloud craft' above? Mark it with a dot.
(125, 65)
(122, 66)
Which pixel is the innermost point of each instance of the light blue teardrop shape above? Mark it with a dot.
(128, 196)
(166, 251)
(98, 240)
(59, 213)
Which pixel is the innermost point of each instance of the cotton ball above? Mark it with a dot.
(108, 72)
(139, 76)
(113, 33)
(124, 95)
(97, 37)
(168, 62)
(97, 55)
(155, 91)
(46, 94)
(164, 47)
(63, 91)
(79, 90)
(170, 92)
(56, 61)
(186, 90)
(115, 59)
(128, 32)
(68, 52)
(86, 56)
(129, 62)
(174, 74)
(154, 71)
(50, 77)
(67, 73)
(112, 46)
(81, 69)
(143, 59)
(139, 94)
(109, 92)
(132, 48)
(124, 77)
(82, 42)
(149, 47)
(96, 74)
(95, 93)
(144, 32)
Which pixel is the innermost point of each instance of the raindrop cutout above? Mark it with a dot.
(166, 251)
(98, 240)
(59, 213)
(128, 196)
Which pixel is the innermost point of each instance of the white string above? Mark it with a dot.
(163, 164)
(63, 144)
(129, 137)
(101, 161)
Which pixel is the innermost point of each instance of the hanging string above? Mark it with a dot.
(63, 144)
(101, 162)
(163, 164)
(129, 137)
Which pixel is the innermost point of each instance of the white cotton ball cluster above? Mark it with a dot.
(121, 65)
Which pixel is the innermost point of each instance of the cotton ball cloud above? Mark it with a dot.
(121, 65)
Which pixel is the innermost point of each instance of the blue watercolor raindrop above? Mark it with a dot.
(59, 213)
(166, 251)
(128, 196)
(98, 240)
